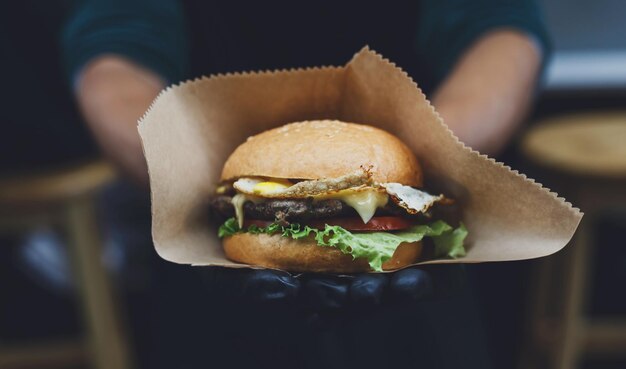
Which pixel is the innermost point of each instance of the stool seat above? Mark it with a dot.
(55, 186)
(589, 144)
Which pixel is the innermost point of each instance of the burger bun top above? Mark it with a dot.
(324, 149)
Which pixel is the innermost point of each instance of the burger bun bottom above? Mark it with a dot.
(305, 255)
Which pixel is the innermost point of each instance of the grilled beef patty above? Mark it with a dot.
(290, 210)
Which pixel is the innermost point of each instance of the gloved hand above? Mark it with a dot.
(319, 291)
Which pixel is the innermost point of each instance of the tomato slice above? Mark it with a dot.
(351, 224)
(356, 224)
(256, 222)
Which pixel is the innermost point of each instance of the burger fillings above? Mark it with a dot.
(352, 213)
(356, 190)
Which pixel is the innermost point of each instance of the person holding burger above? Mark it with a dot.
(478, 61)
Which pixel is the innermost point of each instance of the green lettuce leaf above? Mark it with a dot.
(450, 244)
(376, 247)
(229, 228)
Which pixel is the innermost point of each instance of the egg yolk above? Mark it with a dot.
(270, 187)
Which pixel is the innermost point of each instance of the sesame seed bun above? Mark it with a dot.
(324, 149)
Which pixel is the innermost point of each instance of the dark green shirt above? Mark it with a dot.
(189, 38)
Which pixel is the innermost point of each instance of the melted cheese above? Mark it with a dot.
(364, 202)
(238, 200)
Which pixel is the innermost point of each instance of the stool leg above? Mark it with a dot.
(108, 344)
(573, 324)
(537, 316)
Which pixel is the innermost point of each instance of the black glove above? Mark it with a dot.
(319, 291)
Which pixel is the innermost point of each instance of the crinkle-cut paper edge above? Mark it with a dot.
(239, 74)
(515, 172)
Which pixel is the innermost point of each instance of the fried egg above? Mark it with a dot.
(365, 197)
(411, 199)
(262, 187)
(281, 188)
(362, 198)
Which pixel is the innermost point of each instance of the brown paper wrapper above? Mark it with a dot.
(191, 129)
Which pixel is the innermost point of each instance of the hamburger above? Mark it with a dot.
(329, 196)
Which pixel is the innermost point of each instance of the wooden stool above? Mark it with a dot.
(66, 198)
(584, 155)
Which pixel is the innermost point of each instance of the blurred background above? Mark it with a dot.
(80, 283)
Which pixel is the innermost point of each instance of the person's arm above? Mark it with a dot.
(485, 97)
(482, 60)
(119, 54)
(113, 93)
